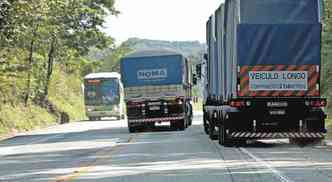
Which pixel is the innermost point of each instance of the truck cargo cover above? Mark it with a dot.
(279, 44)
(279, 11)
(283, 32)
(152, 68)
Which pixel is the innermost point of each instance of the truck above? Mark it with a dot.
(158, 89)
(263, 71)
(103, 96)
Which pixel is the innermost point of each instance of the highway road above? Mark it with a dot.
(104, 151)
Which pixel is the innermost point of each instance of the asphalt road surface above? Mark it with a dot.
(104, 151)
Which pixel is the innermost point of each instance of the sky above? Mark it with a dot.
(173, 20)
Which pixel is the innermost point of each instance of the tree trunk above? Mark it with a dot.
(50, 63)
(30, 62)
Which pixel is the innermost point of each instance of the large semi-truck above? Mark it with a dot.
(158, 88)
(263, 75)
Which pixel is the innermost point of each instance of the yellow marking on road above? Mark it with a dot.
(101, 155)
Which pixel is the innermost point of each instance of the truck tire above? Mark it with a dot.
(222, 133)
(174, 126)
(205, 125)
(181, 124)
(223, 136)
(212, 132)
(190, 121)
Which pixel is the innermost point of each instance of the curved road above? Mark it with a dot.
(105, 151)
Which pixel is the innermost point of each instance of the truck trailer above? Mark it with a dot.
(263, 75)
(158, 89)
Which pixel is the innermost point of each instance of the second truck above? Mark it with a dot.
(157, 85)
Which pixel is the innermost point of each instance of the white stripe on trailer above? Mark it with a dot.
(275, 135)
(264, 135)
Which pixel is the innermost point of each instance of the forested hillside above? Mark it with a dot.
(110, 58)
(43, 46)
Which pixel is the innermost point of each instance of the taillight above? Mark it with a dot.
(318, 103)
(238, 103)
(135, 104)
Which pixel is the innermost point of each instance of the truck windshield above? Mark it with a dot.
(279, 11)
(101, 92)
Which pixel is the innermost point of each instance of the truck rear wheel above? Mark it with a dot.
(181, 124)
(205, 125)
(212, 132)
(223, 135)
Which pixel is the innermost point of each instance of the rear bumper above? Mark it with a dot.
(154, 120)
(103, 114)
(252, 135)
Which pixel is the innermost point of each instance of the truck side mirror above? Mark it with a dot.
(206, 57)
(199, 71)
(194, 79)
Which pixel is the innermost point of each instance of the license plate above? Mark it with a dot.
(154, 108)
(154, 103)
(277, 104)
(277, 112)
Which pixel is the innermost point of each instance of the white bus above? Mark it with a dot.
(103, 96)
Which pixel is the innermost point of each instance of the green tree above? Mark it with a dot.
(37, 35)
(326, 84)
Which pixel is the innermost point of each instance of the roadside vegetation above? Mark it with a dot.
(326, 84)
(43, 56)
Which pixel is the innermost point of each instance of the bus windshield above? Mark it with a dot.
(102, 92)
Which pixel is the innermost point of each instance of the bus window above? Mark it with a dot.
(109, 90)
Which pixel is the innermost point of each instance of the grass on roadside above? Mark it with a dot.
(66, 94)
(20, 118)
(328, 124)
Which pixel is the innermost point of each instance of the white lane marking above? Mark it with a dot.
(11, 149)
(277, 173)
